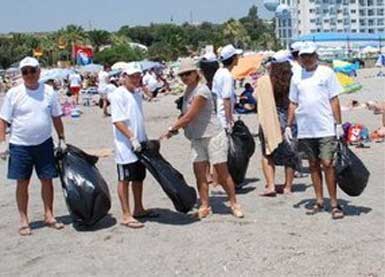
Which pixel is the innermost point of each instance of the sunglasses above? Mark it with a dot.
(26, 71)
(185, 74)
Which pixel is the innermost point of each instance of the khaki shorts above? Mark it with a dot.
(213, 149)
(318, 148)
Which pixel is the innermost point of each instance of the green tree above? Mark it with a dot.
(118, 53)
(99, 38)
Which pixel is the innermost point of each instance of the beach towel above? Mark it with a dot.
(267, 114)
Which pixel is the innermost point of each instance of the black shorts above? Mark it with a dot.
(131, 172)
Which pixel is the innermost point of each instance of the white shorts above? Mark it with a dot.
(213, 149)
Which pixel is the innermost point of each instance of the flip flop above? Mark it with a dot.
(133, 224)
(317, 207)
(202, 213)
(25, 231)
(147, 214)
(337, 212)
(55, 225)
(268, 194)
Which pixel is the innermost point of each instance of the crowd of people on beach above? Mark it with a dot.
(296, 101)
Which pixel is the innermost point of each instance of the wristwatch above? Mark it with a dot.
(172, 130)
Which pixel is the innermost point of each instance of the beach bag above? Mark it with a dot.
(352, 175)
(241, 148)
(287, 154)
(85, 190)
(171, 180)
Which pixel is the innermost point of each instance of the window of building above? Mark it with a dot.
(346, 2)
(354, 21)
(370, 3)
(362, 31)
(340, 21)
(362, 22)
(371, 30)
(362, 12)
(380, 2)
(370, 12)
(340, 31)
(371, 22)
(380, 21)
(352, 1)
(380, 12)
(338, 1)
(326, 20)
(354, 31)
(284, 33)
(312, 20)
(353, 11)
(339, 11)
(313, 31)
(325, 1)
(325, 11)
(311, 11)
(380, 30)
(362, 2)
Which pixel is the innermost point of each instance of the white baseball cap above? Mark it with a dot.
(228, 51)
(308, 48)
(209, 57)
(28, 61)
(281, 56)
(132, 68)
(296, 46)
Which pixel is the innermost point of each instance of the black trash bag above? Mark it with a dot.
(172, 182)
(352, 175)
(85, 190)
(286, 154)
(241, 148)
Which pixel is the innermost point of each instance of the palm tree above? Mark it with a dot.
(99, 38)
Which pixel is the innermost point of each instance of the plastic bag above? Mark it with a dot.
(85, 190)
(352, 175)
(241, 148)
(171, 180)
(286, 154)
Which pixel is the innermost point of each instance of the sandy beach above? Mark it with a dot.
(276, 238)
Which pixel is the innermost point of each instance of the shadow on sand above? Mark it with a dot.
(349, 210)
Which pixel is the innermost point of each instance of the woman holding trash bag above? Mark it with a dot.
(273, 91)
(208, 139)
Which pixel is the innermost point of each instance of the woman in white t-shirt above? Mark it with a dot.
(208, 139)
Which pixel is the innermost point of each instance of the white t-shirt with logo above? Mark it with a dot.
(30, 113)
(126, 107)
(223, 87)
(75, 80)
(312, 91)
(150, 82)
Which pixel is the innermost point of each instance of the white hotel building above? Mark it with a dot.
(301, 17)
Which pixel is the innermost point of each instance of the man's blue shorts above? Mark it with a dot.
(22, 160)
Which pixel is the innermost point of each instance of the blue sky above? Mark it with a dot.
(48, 15)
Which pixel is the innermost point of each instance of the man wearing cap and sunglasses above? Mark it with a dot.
(314, 103)
(31, 108)
(129, 131)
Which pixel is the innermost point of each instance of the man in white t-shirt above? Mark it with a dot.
(75, 81)
(103, 82)
(314, 104)
(151, 84)
(30, 109)
(129, 132)
(223, 85)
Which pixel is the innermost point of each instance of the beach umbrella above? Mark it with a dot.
(246, 66)
(348, 83)
(146, 65)
(119, 66)
(91, 68)
(55, 74)
(345, 67)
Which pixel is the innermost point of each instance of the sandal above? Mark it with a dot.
(236, 211)
(133, 224)
(202, 213)
(317, 208)
(55, 225)
(25, 231)
(337, 212)
(267, 193)
(146, 214)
